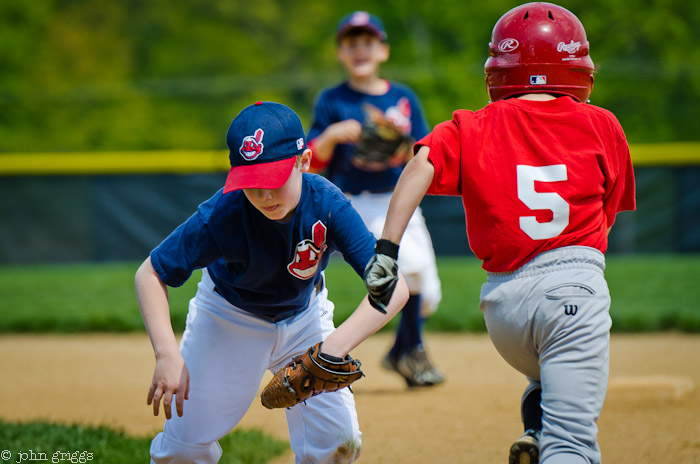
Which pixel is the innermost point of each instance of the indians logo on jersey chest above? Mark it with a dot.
(307, 254)
(252, 145)
(400, 115)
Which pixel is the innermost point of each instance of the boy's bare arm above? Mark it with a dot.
(326, 366)
(363, 322)
(381, 272)
(170, 376)
(410, 190)
(152, 297)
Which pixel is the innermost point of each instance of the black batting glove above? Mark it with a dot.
(381, 274)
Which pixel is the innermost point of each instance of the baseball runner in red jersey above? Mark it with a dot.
(542, 175)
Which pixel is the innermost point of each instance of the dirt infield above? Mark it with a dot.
(652, 412)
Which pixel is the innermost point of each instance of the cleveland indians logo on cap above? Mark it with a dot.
(252, 146)
(308, 253)
(360, 18)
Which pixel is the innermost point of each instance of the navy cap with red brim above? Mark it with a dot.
(272, 175)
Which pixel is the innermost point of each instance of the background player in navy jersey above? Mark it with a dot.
(334, 134)
(542, 175)
(263, 242)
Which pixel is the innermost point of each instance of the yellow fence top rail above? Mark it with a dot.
(196, 161)
(126, 162)
(666, 154)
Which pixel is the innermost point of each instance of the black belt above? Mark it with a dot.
(278, 317)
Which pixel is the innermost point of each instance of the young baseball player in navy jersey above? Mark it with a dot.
(262, 243)
(542, 175)
(333, 137)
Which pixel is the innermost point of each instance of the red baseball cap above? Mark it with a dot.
(264, 141)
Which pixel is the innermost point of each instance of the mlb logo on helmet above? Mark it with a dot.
(268, 165)
(538, 80)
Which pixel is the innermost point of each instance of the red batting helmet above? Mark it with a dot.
(539, 47)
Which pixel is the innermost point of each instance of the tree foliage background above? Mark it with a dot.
(132, 75)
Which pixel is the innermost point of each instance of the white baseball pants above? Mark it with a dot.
(227, 351)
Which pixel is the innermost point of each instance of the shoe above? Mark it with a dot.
(526, 449)
(414, 367)
(390, 363)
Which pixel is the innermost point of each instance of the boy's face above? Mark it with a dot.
(280, 204)
(361, 54)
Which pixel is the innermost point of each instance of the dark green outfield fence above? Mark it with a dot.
(88, 207)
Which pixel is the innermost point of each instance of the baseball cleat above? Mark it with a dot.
(390, 363)
(526, 449)
(414, 367)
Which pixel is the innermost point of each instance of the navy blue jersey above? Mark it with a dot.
(340, 103)
(260, 265)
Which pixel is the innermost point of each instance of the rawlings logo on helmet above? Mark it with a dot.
(252, 146)
(507, 45)
(308, 253)
(569, 48)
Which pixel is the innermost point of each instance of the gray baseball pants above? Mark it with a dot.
(550, 321)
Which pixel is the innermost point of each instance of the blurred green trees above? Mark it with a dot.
(127, 74)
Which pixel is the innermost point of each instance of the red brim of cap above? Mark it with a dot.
(272, 175)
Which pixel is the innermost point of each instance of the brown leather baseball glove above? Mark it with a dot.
(308, 375)
(382, 144)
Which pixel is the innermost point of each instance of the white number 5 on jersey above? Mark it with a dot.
(527, 175)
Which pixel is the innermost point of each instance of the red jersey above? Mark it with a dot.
(533, 176)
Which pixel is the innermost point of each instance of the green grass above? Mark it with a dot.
(78, 298)
(107, 446)
(653, 293)
(649, 292)
(461, 280)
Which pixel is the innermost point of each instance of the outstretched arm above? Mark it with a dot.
(381, 272)
(327, 366)
(170, 377)
(363, 322)
(410, 190)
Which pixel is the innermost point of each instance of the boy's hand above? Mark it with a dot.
(347, 131)
(170, 378)
(381, 274)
